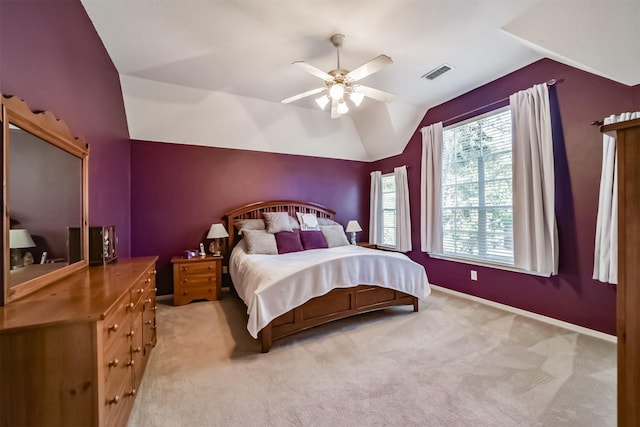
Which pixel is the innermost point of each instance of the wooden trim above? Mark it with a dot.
(4, 268)
(628, 293)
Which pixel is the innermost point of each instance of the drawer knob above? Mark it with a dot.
(132, 392)
(131, 363)
(131, 333)
(210, 266)
(113, 327)
(148, 280)
(114, 401)
(148, 300)
(184, 268)
(155, 289)
(148, 322)
(130, 306)
(154, 308)
(137, 350)
(141, 290)
(185, 280)
(150, 344)
(114, 363)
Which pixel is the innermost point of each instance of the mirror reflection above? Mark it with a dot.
(45, 200)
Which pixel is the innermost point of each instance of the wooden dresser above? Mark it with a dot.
(196, 278)
(74, 352)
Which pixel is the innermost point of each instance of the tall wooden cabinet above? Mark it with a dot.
(628, 290)
(73, 353)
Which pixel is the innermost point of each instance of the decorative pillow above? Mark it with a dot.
(294, 223)
(249, 224)
(313, 239)
(327, 221)
(308, 221)
(288, 241)
(260, 242)
(277, 222)
(334, 235)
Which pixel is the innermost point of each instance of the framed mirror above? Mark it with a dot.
(45, 196)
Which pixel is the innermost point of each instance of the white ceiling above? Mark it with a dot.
(213, 72)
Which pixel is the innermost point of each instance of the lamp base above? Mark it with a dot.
(353, 237)
(214, 248)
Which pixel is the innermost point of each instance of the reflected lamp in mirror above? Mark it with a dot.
(352, 228)
(217, 232)
(19, 239)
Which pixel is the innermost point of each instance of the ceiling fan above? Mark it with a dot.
(341, 84)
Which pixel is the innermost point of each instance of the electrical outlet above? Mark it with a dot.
(224, 269)
(474, 275)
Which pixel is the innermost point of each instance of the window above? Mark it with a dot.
(477, 213)
(388, 210)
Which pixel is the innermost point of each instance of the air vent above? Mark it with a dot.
(435, 73)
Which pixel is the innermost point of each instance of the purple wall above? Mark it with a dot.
(52, 57)
(577, 100)
(178, 191)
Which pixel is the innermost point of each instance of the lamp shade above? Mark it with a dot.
(20, 238)
(217, 231)
(353, 226)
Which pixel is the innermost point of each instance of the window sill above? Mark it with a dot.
(495, 265)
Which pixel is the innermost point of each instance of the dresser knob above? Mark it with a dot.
(185, 280)
(131, 333)
(155, 289)
(154, 272)
(137, 350)
(113, 327)
(141, 290)
(148, 322)
(114, 401)
(130, 306)
(114, 363)
(131, 363)
(147, 301)
(184, 268)
(132, 392)
(148, 280)
(154, 308)
(150, 344)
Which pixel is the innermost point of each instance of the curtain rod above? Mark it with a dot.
(447, 122)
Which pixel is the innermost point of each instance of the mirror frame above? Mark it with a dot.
(54, 131)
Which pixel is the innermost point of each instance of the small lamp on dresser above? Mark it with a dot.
(352, 228)
(19, 239)
(217, 232)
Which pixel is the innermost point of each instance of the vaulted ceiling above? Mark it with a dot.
(213, 72)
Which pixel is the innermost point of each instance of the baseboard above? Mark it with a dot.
(535, 316)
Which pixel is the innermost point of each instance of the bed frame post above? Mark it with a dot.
(415, 304)
(266, 337)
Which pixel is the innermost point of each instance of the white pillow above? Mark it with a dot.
(308, 221)
(334, 235)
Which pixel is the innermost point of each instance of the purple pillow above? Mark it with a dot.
(313, 239)
(288, 241)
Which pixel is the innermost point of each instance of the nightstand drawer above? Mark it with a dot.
(197, 292)
(199, 280)
(197, 268)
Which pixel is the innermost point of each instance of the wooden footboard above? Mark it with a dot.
(337, 304)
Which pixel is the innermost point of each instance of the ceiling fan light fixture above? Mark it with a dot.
(336, 91)
(342, 107)
(322, 101)
(356, 98)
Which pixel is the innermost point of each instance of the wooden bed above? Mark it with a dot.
(337, 304)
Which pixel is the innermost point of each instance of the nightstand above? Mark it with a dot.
(367, 245)
(196, 278)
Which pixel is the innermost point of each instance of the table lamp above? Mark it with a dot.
(19, 239)
(216, 232)
(353, 227)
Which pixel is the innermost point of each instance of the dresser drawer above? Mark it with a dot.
(117, 323)
(197, 280)
(197, 292)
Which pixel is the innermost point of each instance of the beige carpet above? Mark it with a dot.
(455, 363)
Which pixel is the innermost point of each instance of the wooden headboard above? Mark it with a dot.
(255, 210)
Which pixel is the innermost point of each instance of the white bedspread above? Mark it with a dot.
(271, 285)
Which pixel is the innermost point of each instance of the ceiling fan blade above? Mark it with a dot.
(376, 94)
(303, 95)
(313, 70)
(334, 109)
(376, 64)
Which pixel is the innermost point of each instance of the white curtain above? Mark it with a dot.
(403, 216)
(605, 259)
(535, 235)
(375, 208)
(430, 189)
